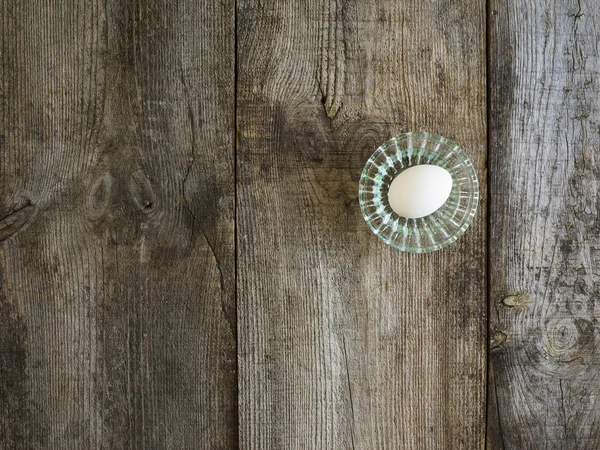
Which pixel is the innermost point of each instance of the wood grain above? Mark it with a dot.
(117, 310)
(545, 233)
(343, 341)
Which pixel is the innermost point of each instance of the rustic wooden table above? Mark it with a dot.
(183, 263)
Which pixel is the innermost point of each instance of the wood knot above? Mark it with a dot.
(498, 338)
(99, 197)
(142, 192)
(567, 337)
(515, 301)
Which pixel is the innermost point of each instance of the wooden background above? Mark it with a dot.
(183, 263)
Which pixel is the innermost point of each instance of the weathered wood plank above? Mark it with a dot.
(545, 234)
(344, 342)
(117, 311)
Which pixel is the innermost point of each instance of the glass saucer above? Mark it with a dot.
(436, 230)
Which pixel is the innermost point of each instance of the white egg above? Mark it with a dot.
(419, 191)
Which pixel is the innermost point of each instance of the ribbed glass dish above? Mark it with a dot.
(436, 230)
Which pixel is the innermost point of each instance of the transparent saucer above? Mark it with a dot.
(436, 230)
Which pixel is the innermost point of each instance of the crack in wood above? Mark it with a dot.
(16, 220)
(349, 391)
(210, 245)
(333, 54)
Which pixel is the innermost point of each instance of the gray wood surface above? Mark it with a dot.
(343, 341)
(117, 310)
(118, 242)
(545, 237)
